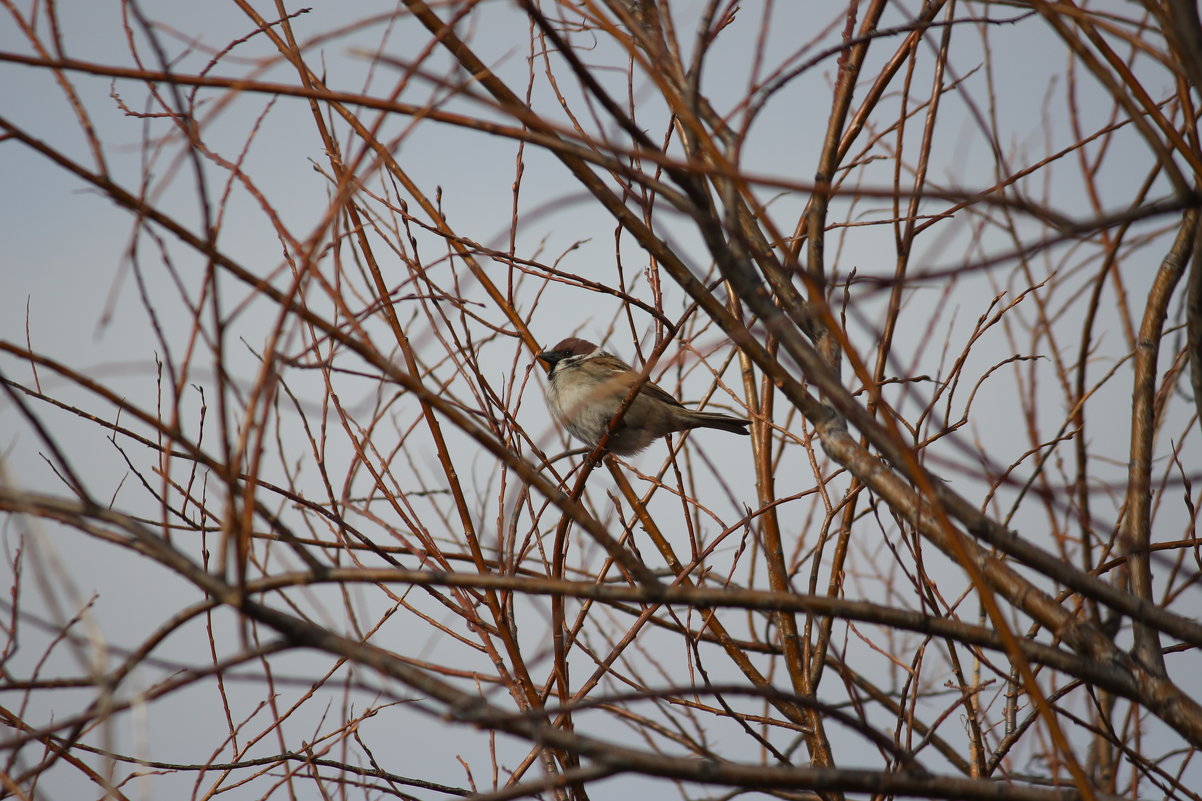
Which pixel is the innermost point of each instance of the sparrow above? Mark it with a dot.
(588, 385)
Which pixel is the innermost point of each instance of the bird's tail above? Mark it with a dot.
(724, 422)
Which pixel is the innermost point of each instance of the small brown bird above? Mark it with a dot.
(588, 385)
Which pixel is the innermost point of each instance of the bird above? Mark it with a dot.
(587, 386)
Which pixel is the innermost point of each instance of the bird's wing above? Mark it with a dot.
(627, 376)
(655, 392)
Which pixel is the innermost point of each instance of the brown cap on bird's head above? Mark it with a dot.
(572, 346)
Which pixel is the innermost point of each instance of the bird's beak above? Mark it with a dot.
(550, 358)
